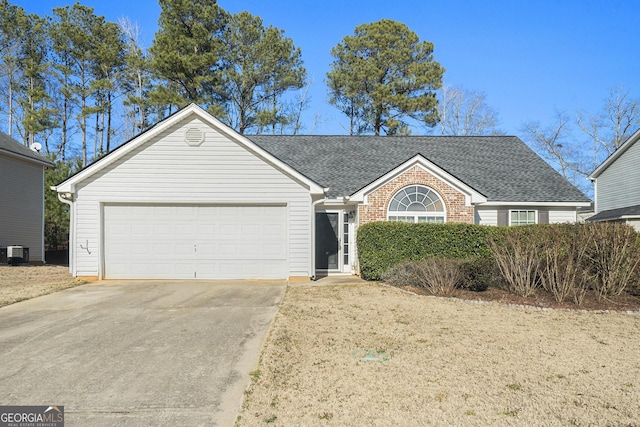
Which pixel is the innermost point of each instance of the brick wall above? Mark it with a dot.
(378, 201)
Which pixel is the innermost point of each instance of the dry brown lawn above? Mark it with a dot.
(370, 355)
(366, 354)
(20, 283)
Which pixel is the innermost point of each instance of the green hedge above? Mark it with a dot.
(381, 245)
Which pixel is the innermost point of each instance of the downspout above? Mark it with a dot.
(71, 229)
(313, 233)
(44, 253)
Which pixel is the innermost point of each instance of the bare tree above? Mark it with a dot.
(612, 126)
(606, 130)
(464, 113)
(553, 142)
(136, 78)
(300, 104)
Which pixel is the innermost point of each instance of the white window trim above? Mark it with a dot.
(414, 214)
(535, 216)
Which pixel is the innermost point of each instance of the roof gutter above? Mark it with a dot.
(546, 204)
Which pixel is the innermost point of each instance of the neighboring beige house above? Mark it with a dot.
(192, 198)
(617, 185)
(22, 198)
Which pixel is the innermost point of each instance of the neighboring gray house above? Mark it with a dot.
(22, 197)
(617, 185)
(192, 198)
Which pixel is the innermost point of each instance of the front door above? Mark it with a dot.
(327, 241)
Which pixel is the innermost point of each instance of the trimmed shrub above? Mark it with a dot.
(382, 245)
(478, 273)
(566, 260)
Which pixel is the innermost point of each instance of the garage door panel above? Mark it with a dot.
(195, 241)
(275, 250)
(141, 249)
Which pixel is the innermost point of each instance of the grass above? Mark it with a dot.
(450, 362)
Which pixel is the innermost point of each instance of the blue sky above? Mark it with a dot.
(529, 57)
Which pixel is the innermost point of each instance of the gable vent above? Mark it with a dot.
(193, 137)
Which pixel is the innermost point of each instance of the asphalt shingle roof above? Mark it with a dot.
(10, 145)
(613, 214)
(502, 168)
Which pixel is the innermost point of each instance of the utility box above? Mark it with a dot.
(3, 255)
(17, 255)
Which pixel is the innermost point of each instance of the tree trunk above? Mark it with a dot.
(108, 122)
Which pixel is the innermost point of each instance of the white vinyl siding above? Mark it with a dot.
(22, 195)
(619, 185)
(486, 216)
(489, 215)
(165, 170)
(559, 216)
(635, 223)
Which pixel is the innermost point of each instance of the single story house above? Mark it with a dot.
(192, 198)
(22, 199)
(616, 185)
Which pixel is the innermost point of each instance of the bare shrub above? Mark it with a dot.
(517, 254)
(563, 260)
(439, 276)
(614, 257)
(403, 274)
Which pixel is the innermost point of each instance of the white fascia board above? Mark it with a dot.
(68, 186)
(340, 202)
(541, 204)
(471, 195)
(612, 158)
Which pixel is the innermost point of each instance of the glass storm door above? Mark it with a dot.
(327, 241)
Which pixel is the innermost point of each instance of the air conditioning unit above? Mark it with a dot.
(15, 255)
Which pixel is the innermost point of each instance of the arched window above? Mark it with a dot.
(416, 203)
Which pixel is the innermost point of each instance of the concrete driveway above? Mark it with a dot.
(137, 353)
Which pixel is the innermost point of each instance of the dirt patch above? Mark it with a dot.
(21, 283)
(369, 354)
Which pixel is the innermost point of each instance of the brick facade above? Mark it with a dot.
(378, 201)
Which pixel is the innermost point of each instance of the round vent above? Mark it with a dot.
(193, 137)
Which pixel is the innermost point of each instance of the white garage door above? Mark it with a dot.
(203, 242)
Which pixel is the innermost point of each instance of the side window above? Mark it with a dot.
(522, 217)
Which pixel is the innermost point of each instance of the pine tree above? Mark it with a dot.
(186, 55)
(261, 65)
(382, 75)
